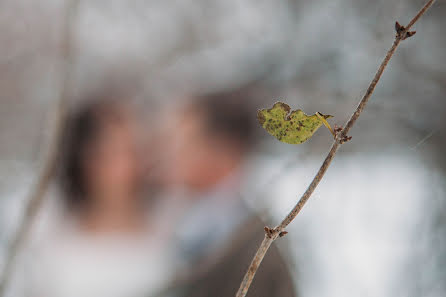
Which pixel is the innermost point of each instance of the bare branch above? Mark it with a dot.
(272, 234)
(37, 195)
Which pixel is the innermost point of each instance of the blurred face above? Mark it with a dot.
(111, 161)
(198, 160)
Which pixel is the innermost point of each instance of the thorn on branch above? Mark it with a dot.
(402, 33)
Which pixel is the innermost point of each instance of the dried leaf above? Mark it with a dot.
(291, 127)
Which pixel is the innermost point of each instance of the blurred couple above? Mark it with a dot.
(155, 210)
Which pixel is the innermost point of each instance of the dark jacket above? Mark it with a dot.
(221, 274)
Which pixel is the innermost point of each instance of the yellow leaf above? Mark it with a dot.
(291, 127)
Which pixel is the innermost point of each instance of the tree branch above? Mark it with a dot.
(272, 234)
(37, 195)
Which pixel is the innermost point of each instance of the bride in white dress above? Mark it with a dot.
(102, 243)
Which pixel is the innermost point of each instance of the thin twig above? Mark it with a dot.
(273, 234)
(37, 195)
(424, 139)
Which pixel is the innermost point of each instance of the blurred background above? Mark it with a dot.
(375, 226)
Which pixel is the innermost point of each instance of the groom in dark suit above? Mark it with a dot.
(217, 236)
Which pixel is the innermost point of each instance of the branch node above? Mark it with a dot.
(338, 134)
(269, 232)
(402, 33)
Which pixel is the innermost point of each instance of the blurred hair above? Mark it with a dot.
(230, 114)
(82, 128)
